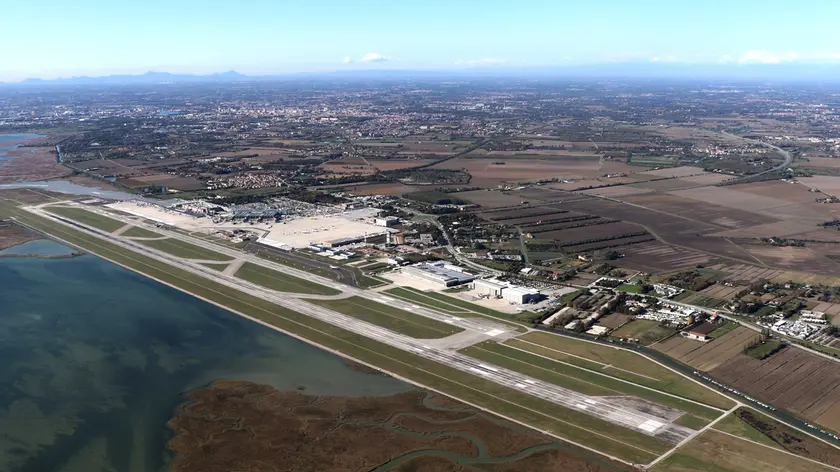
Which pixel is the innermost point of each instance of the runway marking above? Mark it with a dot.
(581, 406)
(651, 425)
(494, 332)
(590, 401)
(492, 369)
(86, 237)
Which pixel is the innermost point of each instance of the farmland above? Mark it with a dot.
(706, 356)
(561, 231)
(792, 379)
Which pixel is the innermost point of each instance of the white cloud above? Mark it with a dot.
(763, 56)
(347, 60)
(666, 58)
(487, 61)
(726, 58)
(374, 57)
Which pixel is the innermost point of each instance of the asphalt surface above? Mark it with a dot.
(645, 417)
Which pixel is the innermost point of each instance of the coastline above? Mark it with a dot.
(23, 160)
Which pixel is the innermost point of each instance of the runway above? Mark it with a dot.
(621, 410)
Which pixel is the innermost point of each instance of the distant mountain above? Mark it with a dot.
(147, 78)
(629, 70)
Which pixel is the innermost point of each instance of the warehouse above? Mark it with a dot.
(440, 272)
(490, 288)
(520, 295)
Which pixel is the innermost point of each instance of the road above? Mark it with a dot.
(457, 255)
(785, 164)
(615, 410)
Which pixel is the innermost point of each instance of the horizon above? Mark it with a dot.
(94, 38)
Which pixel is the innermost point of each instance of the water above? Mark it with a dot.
(94, 359)
(5, 139)
(38, 247)
(63, 186)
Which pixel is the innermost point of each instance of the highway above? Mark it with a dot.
(786, 163)
(635, 414)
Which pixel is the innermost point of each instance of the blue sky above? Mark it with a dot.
(59, 38)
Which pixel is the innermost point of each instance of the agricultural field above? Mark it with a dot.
(614, 362)
(489, 171)
(745, 274)
(403, 322)
(706, 356)
(715, 451)
(793, 379)
(722, 292)
(653, 161)
(489, 198)
(88, 218)
(656, 256)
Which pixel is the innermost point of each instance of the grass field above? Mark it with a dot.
(281, 282)
(579, 379)
(451, 305)
(362, 280)
(618, 363)
(717, 452)
(734, 425)
(693, 422)
(652, 161)
(219, 267)
(326, 273)
(87, 218)
(629, 288)
(543, 415)
(403, 322)
(137, 232)
(646, 331)
(179, 248)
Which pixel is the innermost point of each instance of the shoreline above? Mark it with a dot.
(41, 165)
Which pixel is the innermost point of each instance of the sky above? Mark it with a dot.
(62, 38)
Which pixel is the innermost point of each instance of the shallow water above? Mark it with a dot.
(94, 359)
(38, 247)
(7, 138)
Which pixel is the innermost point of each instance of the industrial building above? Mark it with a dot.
(512, 293)
(491, 288)
(387, 221)
(520, 295)
(440, 272)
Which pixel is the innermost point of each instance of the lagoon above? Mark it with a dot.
(94, 359)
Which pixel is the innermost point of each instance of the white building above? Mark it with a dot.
(387, 221)
(446, 274)
(489, 287)
(520, 295)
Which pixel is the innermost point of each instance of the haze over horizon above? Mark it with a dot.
(53, 39)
